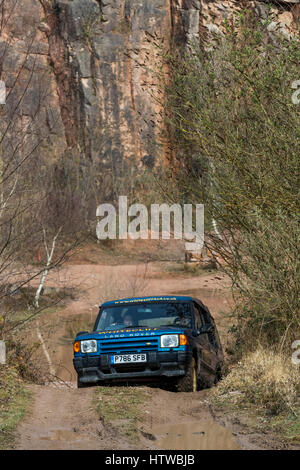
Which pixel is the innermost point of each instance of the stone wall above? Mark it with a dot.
(93, 86)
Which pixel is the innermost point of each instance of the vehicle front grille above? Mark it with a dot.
(129, 345)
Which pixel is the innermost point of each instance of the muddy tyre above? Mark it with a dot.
(188, 383)
(218, 376)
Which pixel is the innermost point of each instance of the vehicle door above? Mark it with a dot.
(219, 348)
(212, 338)
(202, 342)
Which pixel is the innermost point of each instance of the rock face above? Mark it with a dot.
(105, 50)
(96, 62)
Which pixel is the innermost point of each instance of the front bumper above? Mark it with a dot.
(93, 369)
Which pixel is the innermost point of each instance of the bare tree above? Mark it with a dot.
(27, 212)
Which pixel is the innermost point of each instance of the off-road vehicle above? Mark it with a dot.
(163, 338)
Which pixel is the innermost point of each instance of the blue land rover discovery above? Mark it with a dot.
(163, 338)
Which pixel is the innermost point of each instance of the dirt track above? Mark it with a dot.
(63, 417)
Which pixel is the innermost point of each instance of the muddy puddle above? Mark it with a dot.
(203, 435)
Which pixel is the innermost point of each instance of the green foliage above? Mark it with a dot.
(236, 135)
(91, 20)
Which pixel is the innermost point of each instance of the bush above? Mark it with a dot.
(25, 360)
(264, 379)
(236, 135)
(14, 399)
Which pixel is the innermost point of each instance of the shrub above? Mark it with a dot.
(236, 136)
(265, 379)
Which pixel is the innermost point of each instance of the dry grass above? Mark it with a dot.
(263, 379)
(14, 399)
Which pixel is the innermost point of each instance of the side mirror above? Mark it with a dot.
(82, 333)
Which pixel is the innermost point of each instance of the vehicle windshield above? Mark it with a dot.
(146, 315)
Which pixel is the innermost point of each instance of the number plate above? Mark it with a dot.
(128, 358)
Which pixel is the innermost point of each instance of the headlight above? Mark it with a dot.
(89, 346)
(169, 341)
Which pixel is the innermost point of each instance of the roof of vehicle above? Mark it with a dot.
(159, 298)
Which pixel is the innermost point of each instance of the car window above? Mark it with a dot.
(150, 315)
(198, 317)
(216, 335)
(206, 318)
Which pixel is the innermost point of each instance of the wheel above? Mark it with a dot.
(188, 383)
(218, 375)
